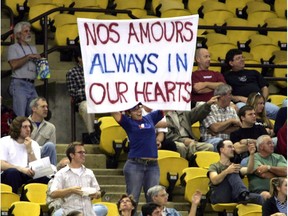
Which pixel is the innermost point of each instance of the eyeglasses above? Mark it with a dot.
(81, 152)
(163, 195)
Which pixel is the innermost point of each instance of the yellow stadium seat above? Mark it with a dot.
(280, 56)
(192, 172)
(209, 5)
(66, 32)
(264, 52)
(171, 5)
(112, 208)
(246, 181)
(36, 192)
(166, 153)
(62, 3)
(219, 50)
(13, 4)
(217, 17)
(111, 132)
(7, 198)
(175, 13)
(31, 209)
(5, 188)
(174, 171)
(39, 9)
(280, 8)
(253, 6)
(217, 38)
(124, 4)
(193, 6)
(197, 183)
(233, 5)
(32, 3)
(238, 35)
(62, 19)
(258, 39)
(259, 17)
(282, 73)
(277, 99)
(249, 210)
(205, 158)
(224, 207)
(136, 12)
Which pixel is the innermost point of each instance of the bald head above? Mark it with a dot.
(202, 57)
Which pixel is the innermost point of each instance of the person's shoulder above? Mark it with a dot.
(49, 124)
(5, 140)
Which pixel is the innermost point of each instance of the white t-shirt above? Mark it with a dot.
(16, 153)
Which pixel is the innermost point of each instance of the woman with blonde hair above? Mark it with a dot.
(276, 205)
(257, 101)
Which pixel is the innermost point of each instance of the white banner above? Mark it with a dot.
(143, 60)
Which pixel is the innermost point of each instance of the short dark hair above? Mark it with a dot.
(242, 110)
(148, 208)
(71, 149)
(220, 145)
(230, 56)
(16, 125)
(132, 201)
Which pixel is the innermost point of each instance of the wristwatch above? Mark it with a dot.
(268, 167)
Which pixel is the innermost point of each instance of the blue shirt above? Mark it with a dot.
(141, 134)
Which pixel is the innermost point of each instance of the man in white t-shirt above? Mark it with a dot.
(16, 151)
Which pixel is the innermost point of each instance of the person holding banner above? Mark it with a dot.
(76, 88)
(141, 168)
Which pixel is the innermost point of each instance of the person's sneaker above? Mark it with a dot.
(244, 198)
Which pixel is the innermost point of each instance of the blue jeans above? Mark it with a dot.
(271, 109)
(23, 92)
(138, 175)
(49, 150)
(100, 210)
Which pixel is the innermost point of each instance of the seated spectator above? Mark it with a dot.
(245, 81)
(277, 203)
(267, 165)
(44, 132)
(159, 196)
(151, 209)
(16, 152)
(126, 205)
(248, 133)
(222, 120)
(257, 101)
(226, 176)
(161, 130)
(204, 81)
(69, 182)
(76, 88)
(180, 131)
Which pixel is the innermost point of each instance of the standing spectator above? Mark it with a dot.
(141, 168)
(76, 88)
(267, 165)
(222, 120)
(245, 81)
(71, 182)
(277, 204)
(16, 151)
(180, 131)
(225, 176)
(256, 100)
(204, 81)
(44, 132)
(248, 133)
(159, 196)
(21, 57)
(126, 205)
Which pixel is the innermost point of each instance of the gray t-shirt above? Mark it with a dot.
(17, 51)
